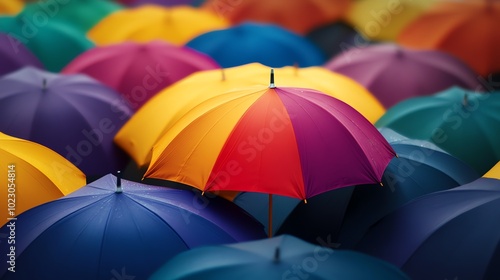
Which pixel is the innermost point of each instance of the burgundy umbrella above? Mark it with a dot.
(140, 70)
(73, 115)
(14, 55)
(393, 73)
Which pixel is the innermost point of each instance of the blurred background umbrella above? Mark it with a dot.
(383, 20)
(109, 226)
(11, 7)
(168, 3)
(380, 69)
(296, 15)
(15, 55)
(73, 115)
(464, 123)
(281, 257)
(465, 29)
(146, 23)
(40, 175)
(250, 42)
(494, 172)
(80, 14)
(447, 234)
(146, 126)
(139, 70)
(345, 215)
(54, 43)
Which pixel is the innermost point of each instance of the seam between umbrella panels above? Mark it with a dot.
(102, 241)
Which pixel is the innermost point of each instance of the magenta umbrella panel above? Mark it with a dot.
(73, 115)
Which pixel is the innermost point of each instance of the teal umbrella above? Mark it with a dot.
(81, 14)
(53, 42)
(281, 257)
(464, 123)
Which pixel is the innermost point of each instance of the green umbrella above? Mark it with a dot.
(464, 123)
(81, 14)
(53, 42)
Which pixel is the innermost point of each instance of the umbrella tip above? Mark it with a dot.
(465, 101)
(305, 201)
(381, 184)
(118, 182)
(277, 255)
(272, 85)
(44, 84)
(223, 74)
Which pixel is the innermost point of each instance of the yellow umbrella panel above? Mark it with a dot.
(33, 174)
(11, 7)
(494, 172)
(141, 132)
(176, 25)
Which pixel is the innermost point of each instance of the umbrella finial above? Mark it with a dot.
(296, 69)
(271, 85)
(465, 101)
(44, 84)
(223, 74)
(118, 182)
(277, 255)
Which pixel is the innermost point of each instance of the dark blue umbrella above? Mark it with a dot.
(14, 55)
(344, 215)
(73, 115)
(453, 234)
(268, 44)
(109, 228)
(281, 257)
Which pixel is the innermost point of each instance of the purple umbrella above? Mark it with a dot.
(73, 115)
(14, 55)
(393, 73)
(114, 227)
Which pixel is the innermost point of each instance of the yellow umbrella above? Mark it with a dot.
(11, 7)
(146, 23)
(141, 132)
(34, 174)
(384, 19)
(494, 172)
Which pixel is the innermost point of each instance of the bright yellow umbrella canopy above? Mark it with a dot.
(384, 19)
(494, 172)
(146, 23)
(11, 7)
(35, 174)
(158, 115)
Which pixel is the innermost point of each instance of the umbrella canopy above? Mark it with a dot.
(394, 73)
(384, 19)
(80, 14)
(447, 234)
(248, 42)
(350, 212)
(464, 123)
(146, 23)
(294, 142)
(297, 16)
(143, 130)
(139, 70)
(14, 55)
(461, 28)
(494, 172)
(281, 257)
(73, 115)
(36, 175)
(54, 43)
(102, 229)
(11, 7)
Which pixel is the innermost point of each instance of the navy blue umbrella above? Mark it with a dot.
(452, 234)
(108, 228)
(343, 216)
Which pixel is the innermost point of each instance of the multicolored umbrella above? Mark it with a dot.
(394, 73)
(14, 55)
(464, 123)
(294, 142)
(296, 16)
(54, 43)
(461, 28)
(114, 226)
(146, 126)
(73, 115)
(139, 70)
(249, 42)
(35, 174)
(146, 23)
(281, 257)
(451, 234)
